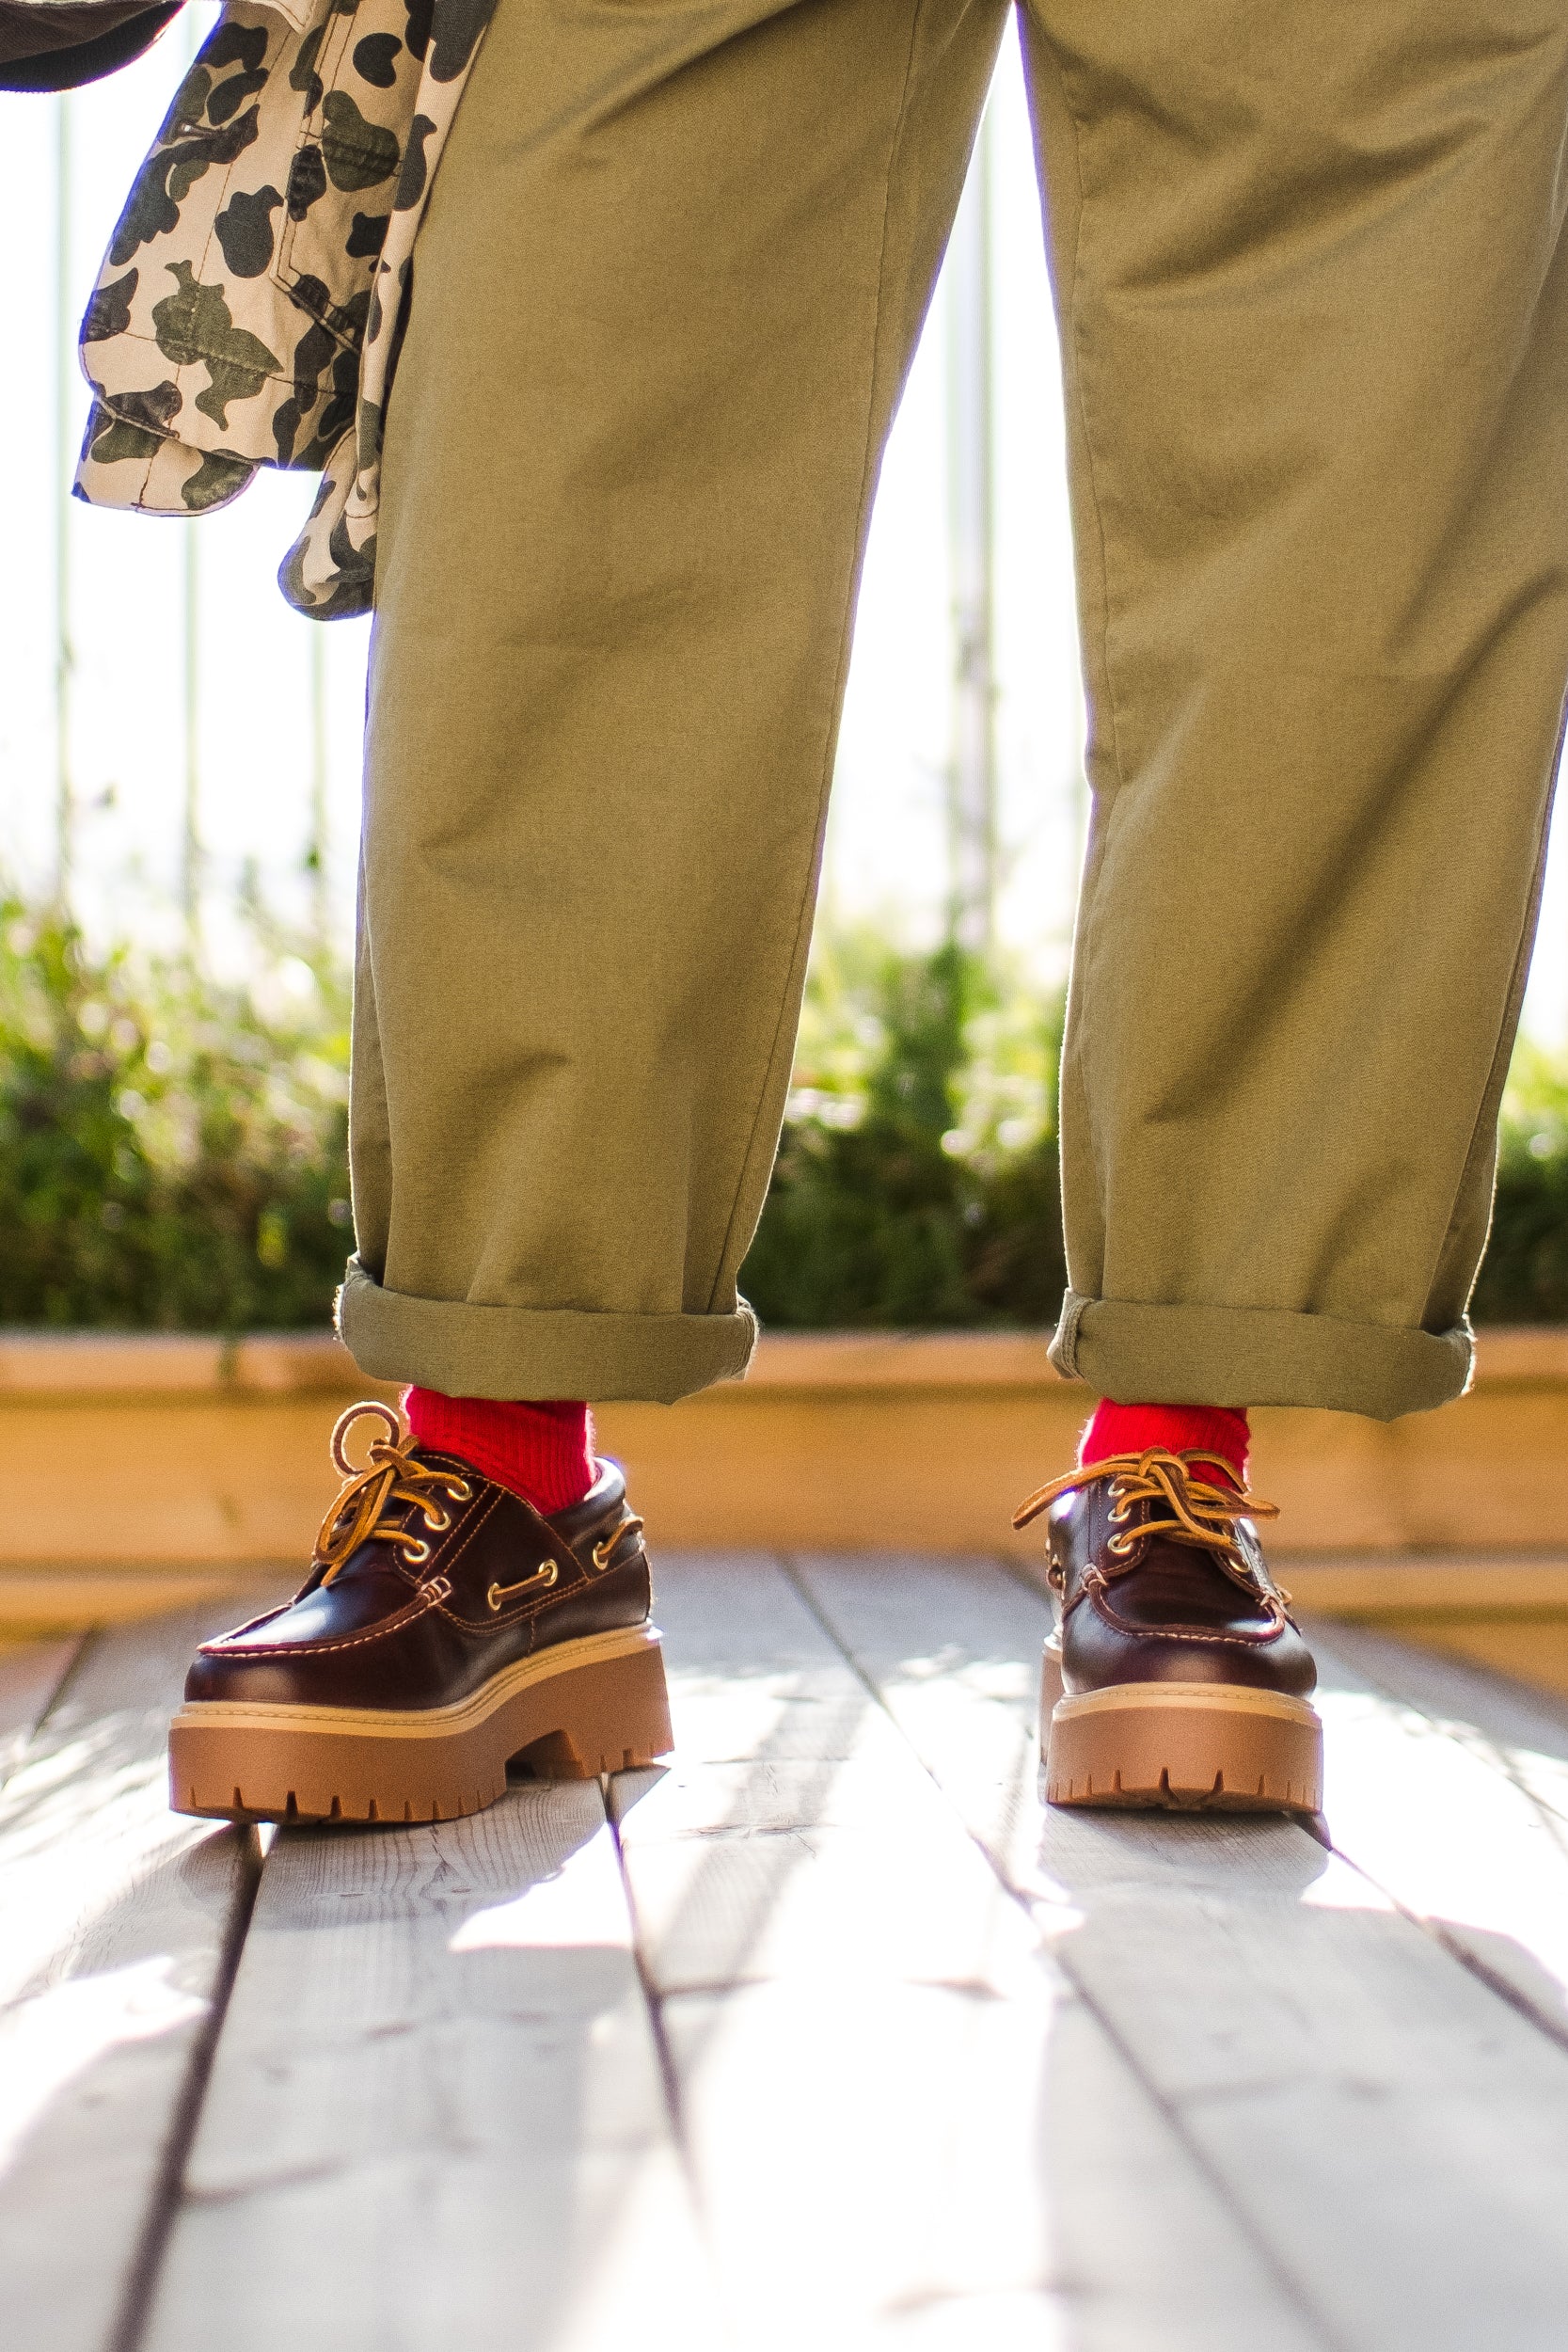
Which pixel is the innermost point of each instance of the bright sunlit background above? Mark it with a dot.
(254, 713)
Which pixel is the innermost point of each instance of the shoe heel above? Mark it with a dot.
(609, 1717)
(1050, 1688)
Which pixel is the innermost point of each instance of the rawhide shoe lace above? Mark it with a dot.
(445, 1627)
(1177, 1676)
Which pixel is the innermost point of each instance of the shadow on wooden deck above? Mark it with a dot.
(826, 2036)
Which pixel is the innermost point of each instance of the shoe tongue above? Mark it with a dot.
(1178, 1584)
(371, 1562)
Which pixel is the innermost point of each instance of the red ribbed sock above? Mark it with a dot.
(543, 1453)
(1131, 1428)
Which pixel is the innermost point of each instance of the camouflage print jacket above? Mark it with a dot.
(250, 307)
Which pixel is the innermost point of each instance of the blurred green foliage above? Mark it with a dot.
(1524, 1276)
(173, 1154)
(916, 1180)
(173, 1150)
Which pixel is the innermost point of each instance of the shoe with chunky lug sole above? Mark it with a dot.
(1177, 1676)
(446, 1630)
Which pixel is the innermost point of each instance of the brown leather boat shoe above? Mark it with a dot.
(1177, 1676)
(445, 1630)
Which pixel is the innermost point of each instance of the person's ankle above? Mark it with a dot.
(1216, 1429)
(542, 1452)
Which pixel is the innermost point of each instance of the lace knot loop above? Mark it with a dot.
(374, 1504)
(1185, 1506)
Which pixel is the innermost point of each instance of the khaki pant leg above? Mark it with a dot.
(1314, 300)
(664, 298)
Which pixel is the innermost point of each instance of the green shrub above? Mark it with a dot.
(917, 1183)
(173, 1152)
(1524, 1276)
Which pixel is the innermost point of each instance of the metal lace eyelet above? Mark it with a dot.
(460, 1490)
(436, 1519)
(415, 1550)
(630, 1525)
(499, 1594)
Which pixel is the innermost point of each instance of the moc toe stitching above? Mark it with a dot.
(379, 1632)
(1166, 1632)
(1183, 1633)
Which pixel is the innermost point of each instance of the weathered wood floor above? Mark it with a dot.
(825, 2038)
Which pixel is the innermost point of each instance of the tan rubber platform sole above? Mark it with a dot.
(589, 1707)
(1188, 1746)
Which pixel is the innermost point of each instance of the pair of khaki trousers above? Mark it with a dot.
(1309, 270)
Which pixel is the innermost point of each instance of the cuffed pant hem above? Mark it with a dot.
(466, 1350)
(1242, 1356)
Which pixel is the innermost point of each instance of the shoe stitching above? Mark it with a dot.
(1094, 1586)
(427, 1598)
(1249, 1576)
(440, 1558)
(1176, 1633)
(397, 1563)
(445, 1560)
(529, 1609)
(532, 1608)
(488, 1623)
(266, 1616)
(565, 1541)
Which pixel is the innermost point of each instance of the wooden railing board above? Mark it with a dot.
(129, 1460)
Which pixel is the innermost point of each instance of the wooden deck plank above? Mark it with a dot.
(906, 2128)
(1522, 1732)
(1443, 1819)
(436, 2115)
(791, 1836)
(115, 1919)
(30, 1675)
(1394, 2134)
